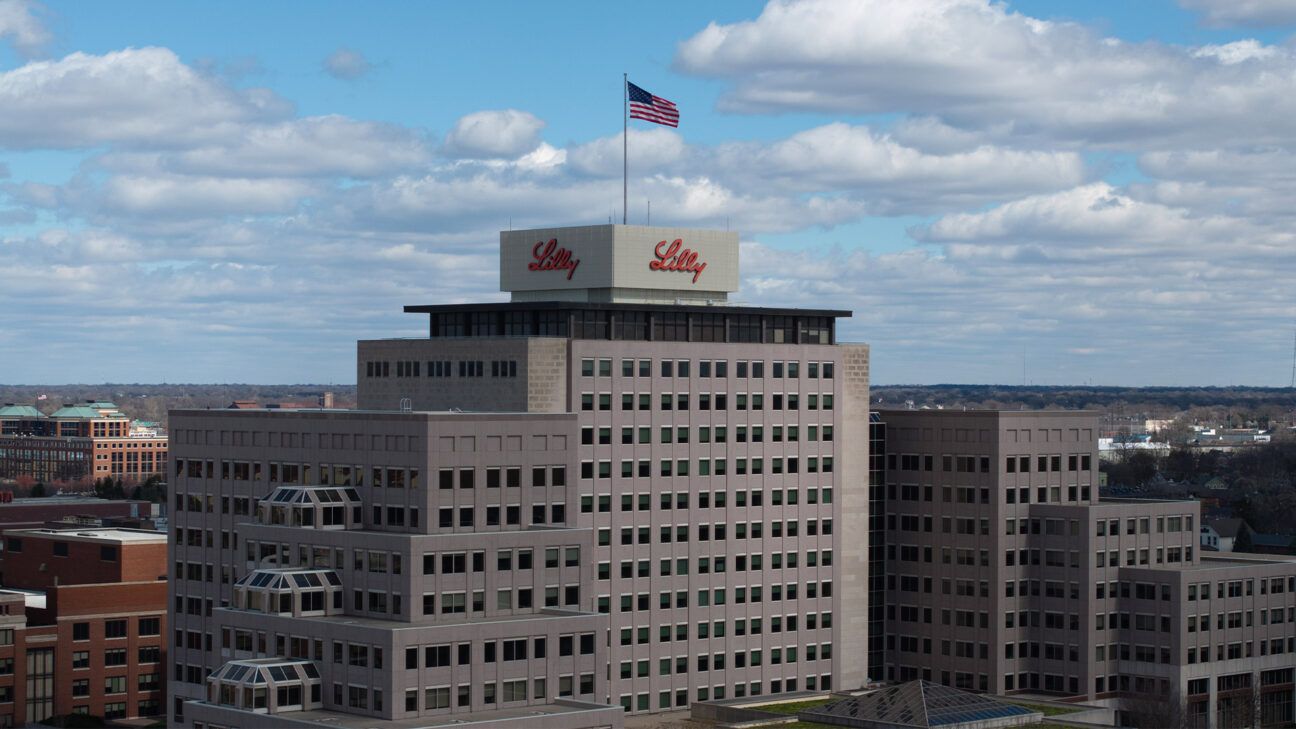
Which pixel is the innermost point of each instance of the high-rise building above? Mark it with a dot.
(1005, 572)
(615, 492)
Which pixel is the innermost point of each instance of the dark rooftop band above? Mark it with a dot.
(633, 322)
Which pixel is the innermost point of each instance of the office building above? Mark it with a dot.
(78, 444)
(83, 619)
(616, 492)
(1007, 573)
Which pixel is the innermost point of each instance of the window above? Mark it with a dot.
(81, 631)
(114, 628)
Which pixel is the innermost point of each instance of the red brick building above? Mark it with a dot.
(29, 513)
(82, 624)
(78, 443)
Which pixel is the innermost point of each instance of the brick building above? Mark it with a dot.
(82, 624)
(43, 511)
(78, 443)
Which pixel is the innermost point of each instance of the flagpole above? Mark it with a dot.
(625, 144)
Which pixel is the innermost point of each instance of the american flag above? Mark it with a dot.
(644, 105)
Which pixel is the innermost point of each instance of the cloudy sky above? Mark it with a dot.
(1000, 191)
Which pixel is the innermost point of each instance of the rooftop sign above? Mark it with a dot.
(618, 263)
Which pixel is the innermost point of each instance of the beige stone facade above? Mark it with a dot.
(1006, 573)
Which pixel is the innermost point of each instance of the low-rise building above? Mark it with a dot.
(82, 624)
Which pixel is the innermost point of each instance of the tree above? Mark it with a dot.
(153, 489)
(1243, 542)
(37, 491)
(107, 488)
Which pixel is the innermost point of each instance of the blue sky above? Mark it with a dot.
(196, 192)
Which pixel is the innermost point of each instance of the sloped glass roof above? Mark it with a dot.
(314, 495)
(920, 704)
(256, 671)
(285, 579)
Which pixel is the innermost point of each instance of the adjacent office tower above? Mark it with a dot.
(616, 491)
(1006, 572)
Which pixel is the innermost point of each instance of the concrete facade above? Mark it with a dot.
(627, 506)
(710, 508)
(1006, 573)
(459, 585)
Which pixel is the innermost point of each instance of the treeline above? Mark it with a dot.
(1229, 406)
(1259, 481)
(151, 402)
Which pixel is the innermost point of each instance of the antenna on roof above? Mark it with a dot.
(1293, 376)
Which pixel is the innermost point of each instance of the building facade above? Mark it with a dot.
(78, 443)
(83, 619)
(701, 505)
(1007, 573)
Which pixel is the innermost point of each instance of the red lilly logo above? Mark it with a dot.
(674, 257)
(549, 257)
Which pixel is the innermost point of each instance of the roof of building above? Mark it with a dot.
(61, 499)
(1227, 528)
(692, 307)
(107, 535)
(1272, 540)
(10, 410)
(918, 704)
(76, 411)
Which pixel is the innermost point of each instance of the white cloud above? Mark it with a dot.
(347, 64)
(1254, 13)
(508, 133)
(136, 96)
(21, 28)
(1237, 51)
(845, 158)
(324, 145)
(650, 150)
(976, 65)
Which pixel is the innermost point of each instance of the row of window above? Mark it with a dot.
(707, 401)
(707, 499)
(981, 464)
(117, 628)
(707, 629)
(1164, 555)
(668, 600)
(971, 495)
(1234, 651)
(1143, 525)
(642, 702)
(706, 368)
(667, 467)
(1239, 588)
(718, 532)
(466, 478)
(680, 434)
(1241, 618)
(438, 697)
(441, 368)
(456, 563)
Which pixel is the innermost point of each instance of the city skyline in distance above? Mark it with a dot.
(1000, 193)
